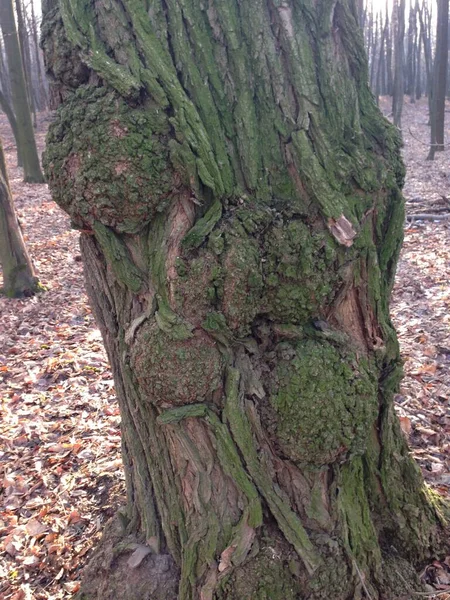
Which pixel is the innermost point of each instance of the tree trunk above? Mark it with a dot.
(239, 197)
(389, 39)
(43, 100)
(26, 57)
(419, 65)
(28, 150)
(437, 115)
(19, 277)
(399, 36)
(4, 82)
(6, 108)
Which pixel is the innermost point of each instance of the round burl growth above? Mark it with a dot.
(197, 286)
(300, 271)
(176, 372)
(107, 162)
(326, 402)
(242, 285)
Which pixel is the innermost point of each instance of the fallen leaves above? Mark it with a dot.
(60, 476)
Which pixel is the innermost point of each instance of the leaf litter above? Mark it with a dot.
(61, 476)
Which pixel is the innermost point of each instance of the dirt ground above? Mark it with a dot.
(60, 469)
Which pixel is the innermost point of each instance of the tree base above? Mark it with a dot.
(109, 576)
(273, 572)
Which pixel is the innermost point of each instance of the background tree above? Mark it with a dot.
(239, 197)
(6, 108)
(439, 84)
(398, 85)
(19, 277)
(411, 60)
(27, 143)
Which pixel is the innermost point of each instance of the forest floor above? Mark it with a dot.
(60, 467)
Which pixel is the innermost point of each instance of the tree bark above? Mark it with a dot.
(26, 57)
(239, 196)
(4, 82)
(439, 86)
(43, 100)
(6, 108)
(28, 150)
(19, 277)
(398, 85)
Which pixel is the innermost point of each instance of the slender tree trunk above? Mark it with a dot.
(412, 51)
(239, 196)
(373, 54)
(27, 143)
(424, 18)
(389, 38)
(379, 87)
(19, 277)
(440, 67)
(6, 108)
(26, 57)
(4, 81)
(398, 86)
(43, 99)
(419, 66)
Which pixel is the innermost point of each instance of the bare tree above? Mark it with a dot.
(439, 85)
(399, 35)
(19, 277)
(7, 109)
(27, 143)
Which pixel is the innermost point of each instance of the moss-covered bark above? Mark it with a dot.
(239, 197)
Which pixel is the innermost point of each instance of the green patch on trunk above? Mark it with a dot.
(326, 402)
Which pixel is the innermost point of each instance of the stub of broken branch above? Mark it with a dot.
(342, 230)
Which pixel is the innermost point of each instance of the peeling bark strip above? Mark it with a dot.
(242, 194)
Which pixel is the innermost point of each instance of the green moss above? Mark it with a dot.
(119, 258)
(360, 536)
(300, 272)
(175, 372)
(242, 282)
(265, 577)
(196, 289)
(326, 402)
(202, 227)
(107, 163)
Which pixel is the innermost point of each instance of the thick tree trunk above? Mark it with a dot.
(239, 197)
(19, 277)
(28, 150)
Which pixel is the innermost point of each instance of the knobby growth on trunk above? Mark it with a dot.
(19, 277)
(238, 194)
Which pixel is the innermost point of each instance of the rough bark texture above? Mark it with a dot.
(19, 278)
(28, 150)
(239, 198)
